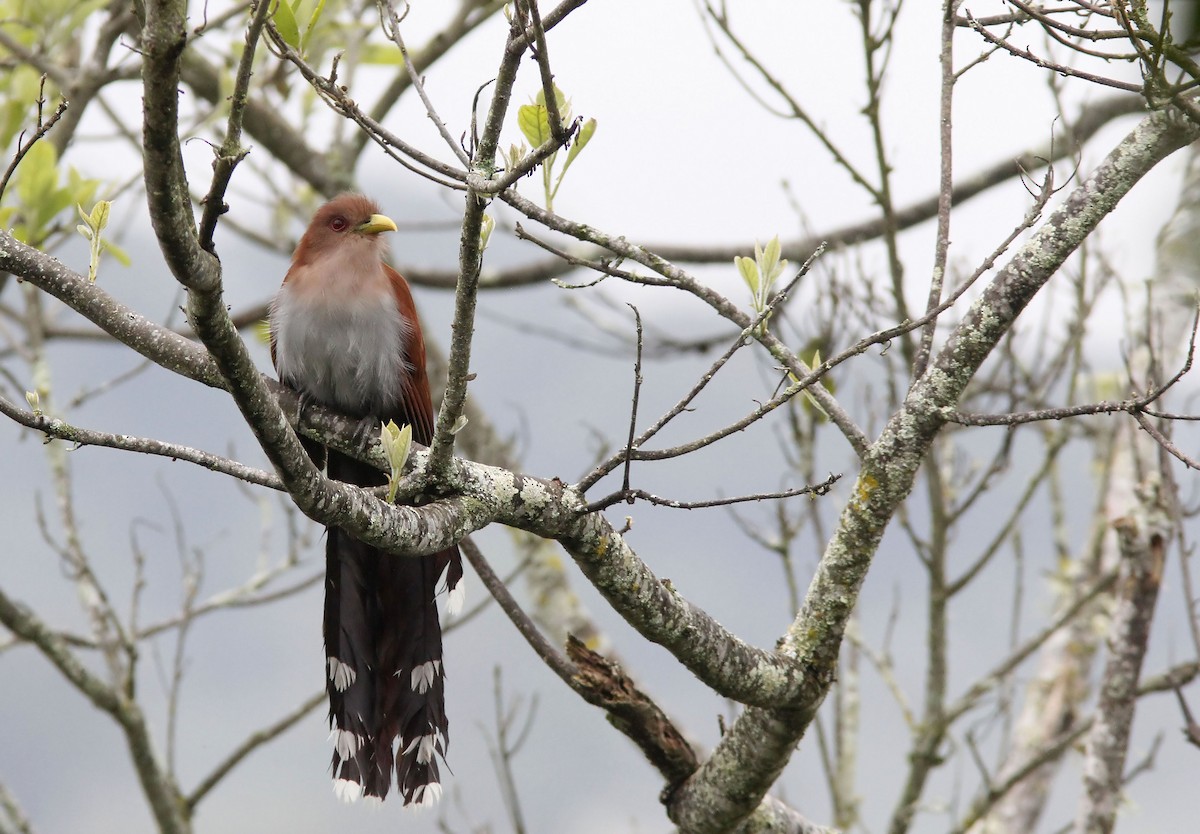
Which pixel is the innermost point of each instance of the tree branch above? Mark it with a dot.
(164, 39)
(1142, 538)
(730, 785)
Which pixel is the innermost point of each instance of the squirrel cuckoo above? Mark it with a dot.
(344, 333)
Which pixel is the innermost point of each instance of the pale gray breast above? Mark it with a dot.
(345, 353)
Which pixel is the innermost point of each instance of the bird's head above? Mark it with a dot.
(349, 223)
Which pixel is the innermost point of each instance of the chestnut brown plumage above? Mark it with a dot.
(344, 333)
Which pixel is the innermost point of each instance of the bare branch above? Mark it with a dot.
(43, 127)
(250, 744)
(1142, 537)
(231, 151)
(746, 762)
(58, 428)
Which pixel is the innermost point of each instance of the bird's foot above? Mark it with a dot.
(366, 433)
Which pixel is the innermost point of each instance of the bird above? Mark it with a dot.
(345, 334)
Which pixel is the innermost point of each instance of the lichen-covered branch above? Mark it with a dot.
(159, 344)
(721, 793)
(164, 39)
(740, 672)
(1142, 538)
(602, 683)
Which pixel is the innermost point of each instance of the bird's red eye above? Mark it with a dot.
(338, 224)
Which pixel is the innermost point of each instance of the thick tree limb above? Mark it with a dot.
(1141, 538)
(164, 39)
(483, 494)
(602, 683)
(723, 791)
(159, 344)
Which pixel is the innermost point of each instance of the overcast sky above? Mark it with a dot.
(681, 154)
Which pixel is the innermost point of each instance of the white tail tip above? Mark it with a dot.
(346, 790)
(346, 743)
(456, 598)
(426, 796)
(340, 673)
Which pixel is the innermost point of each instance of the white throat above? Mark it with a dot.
(342, 340)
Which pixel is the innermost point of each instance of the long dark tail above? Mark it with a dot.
(384, 671)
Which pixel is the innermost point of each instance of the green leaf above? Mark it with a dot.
(57, 200)
(815, 407)
(39, 195)
(560, 98)
(79, 188)
(381, 54)
(749, 270)
(770, 260)
(92, 228)
(285, 21)
(396, 443)
(487, 224)
(810, 355)
(586, 130)
(534, 123)
(38, 175)
(312, 25)
(117, 252)
(99, 216)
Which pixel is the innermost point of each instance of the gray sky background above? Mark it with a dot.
(681, 154)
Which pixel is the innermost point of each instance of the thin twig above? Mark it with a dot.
(14, 819)
(541, 54)
(945, 183)
(57, 428)
(250, 744)
(992, 678)
(633, 408)
(1191, 730)
(553, 659)
(391, 29)
(231, 151)
(1062, 69)
(1165, 442)
(43, 127)
(629, 495)
(339, 100)
(505, 749)
(470, 262)
(737, 344)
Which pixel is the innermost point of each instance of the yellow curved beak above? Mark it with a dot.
(375, 224)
